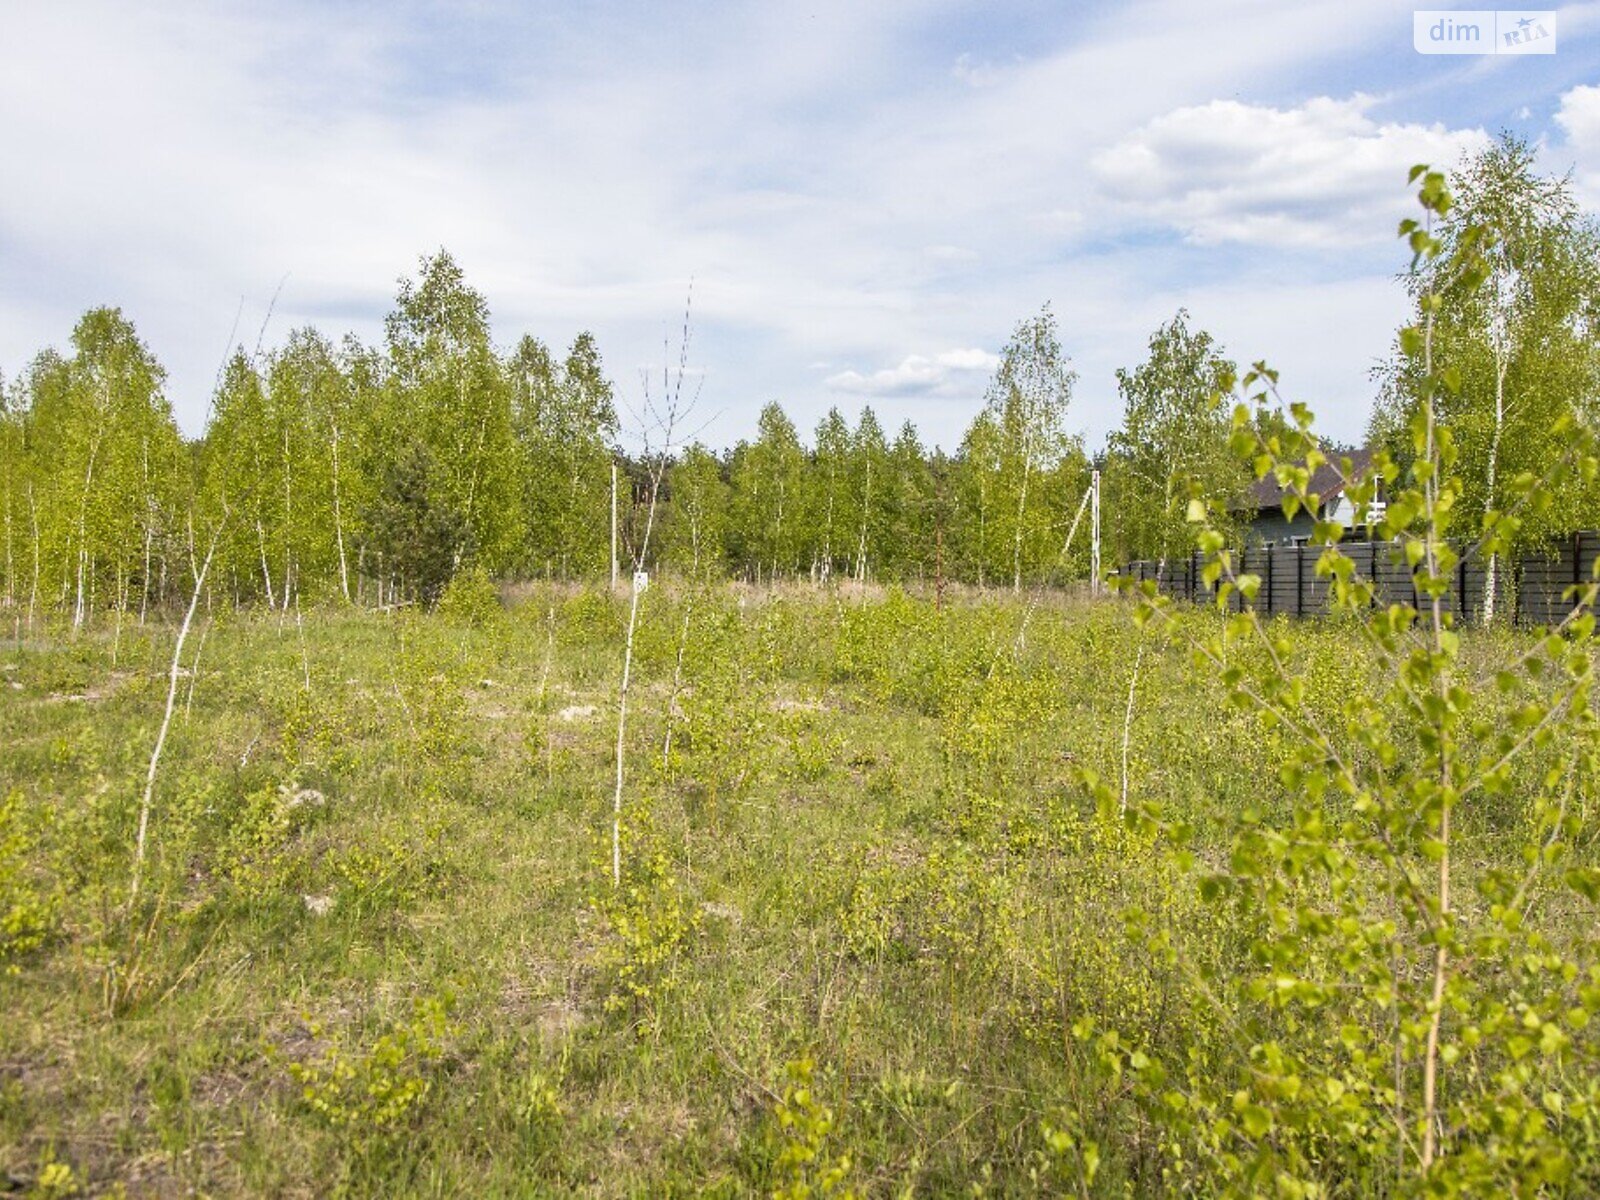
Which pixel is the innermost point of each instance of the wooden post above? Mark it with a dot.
(1577, 568)
(1515, 566)
(1094, 532)
(613, 526)
(1299, 578)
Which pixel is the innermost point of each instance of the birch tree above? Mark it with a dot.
(696, 530)
(1172, 444)
(830, 500)
(976, 474)
(236, 472)
(41, 412)
(767, 480)
(1526, 346)
(364, 451)
(565, 419)
(1027, 401)
(447, 388)
(870, 490)
(12, 496)
(908, 505)
(312, 430)
(105, 465)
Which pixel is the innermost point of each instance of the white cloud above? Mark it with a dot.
(951, 374)
(834, 190)
(1323, 173)
(1579, 118)
(975, 72)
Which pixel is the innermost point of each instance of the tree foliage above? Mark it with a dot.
(1172, 444)
(312, 442)
(1524, 347)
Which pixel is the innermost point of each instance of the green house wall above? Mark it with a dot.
(1270, 525)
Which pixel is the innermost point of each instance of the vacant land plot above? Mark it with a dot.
(881, 926)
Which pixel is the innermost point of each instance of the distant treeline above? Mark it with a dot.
(371, 473)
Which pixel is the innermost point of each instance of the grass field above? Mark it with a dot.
(870, 934)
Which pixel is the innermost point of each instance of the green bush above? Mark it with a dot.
(29, 904)
(373, 1090)
(1406, 1018)
(471, 598)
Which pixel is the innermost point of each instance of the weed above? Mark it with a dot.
(805, 1165)
(374, 1090)
(647, 918)
(30, 902)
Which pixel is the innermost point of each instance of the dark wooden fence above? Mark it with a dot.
(1536, 583)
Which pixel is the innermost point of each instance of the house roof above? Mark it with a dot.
(1268, 493)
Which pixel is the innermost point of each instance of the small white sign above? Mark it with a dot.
(1483, 31)
(641, 580)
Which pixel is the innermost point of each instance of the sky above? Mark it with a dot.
(861, 199)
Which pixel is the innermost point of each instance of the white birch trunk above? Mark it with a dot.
(11, 582)
(1022, 510)
(33, 593)
(144, 582)
(149, 535)
(1492, 575)
(866, 518)
(166, 723)
(83, 534)
(288, 519)
(266, 571)
(338, 521)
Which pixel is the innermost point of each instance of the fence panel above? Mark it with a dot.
(1285, 576)
(1541, 582)
(1542, 579)
(1313, 588)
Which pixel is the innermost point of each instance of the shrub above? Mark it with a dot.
(28, 904)
(805, 1166)
(372, 1090)
(471, 598)
(1406, 1020)
(647, 916)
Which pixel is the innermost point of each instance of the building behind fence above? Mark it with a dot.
(1536, 583)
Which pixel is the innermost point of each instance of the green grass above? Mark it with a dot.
(379, 952)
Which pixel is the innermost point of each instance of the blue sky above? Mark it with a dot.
(867, 197)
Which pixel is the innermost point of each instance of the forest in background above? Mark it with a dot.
(374, 473)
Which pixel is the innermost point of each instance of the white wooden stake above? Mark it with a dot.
(622, 722)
